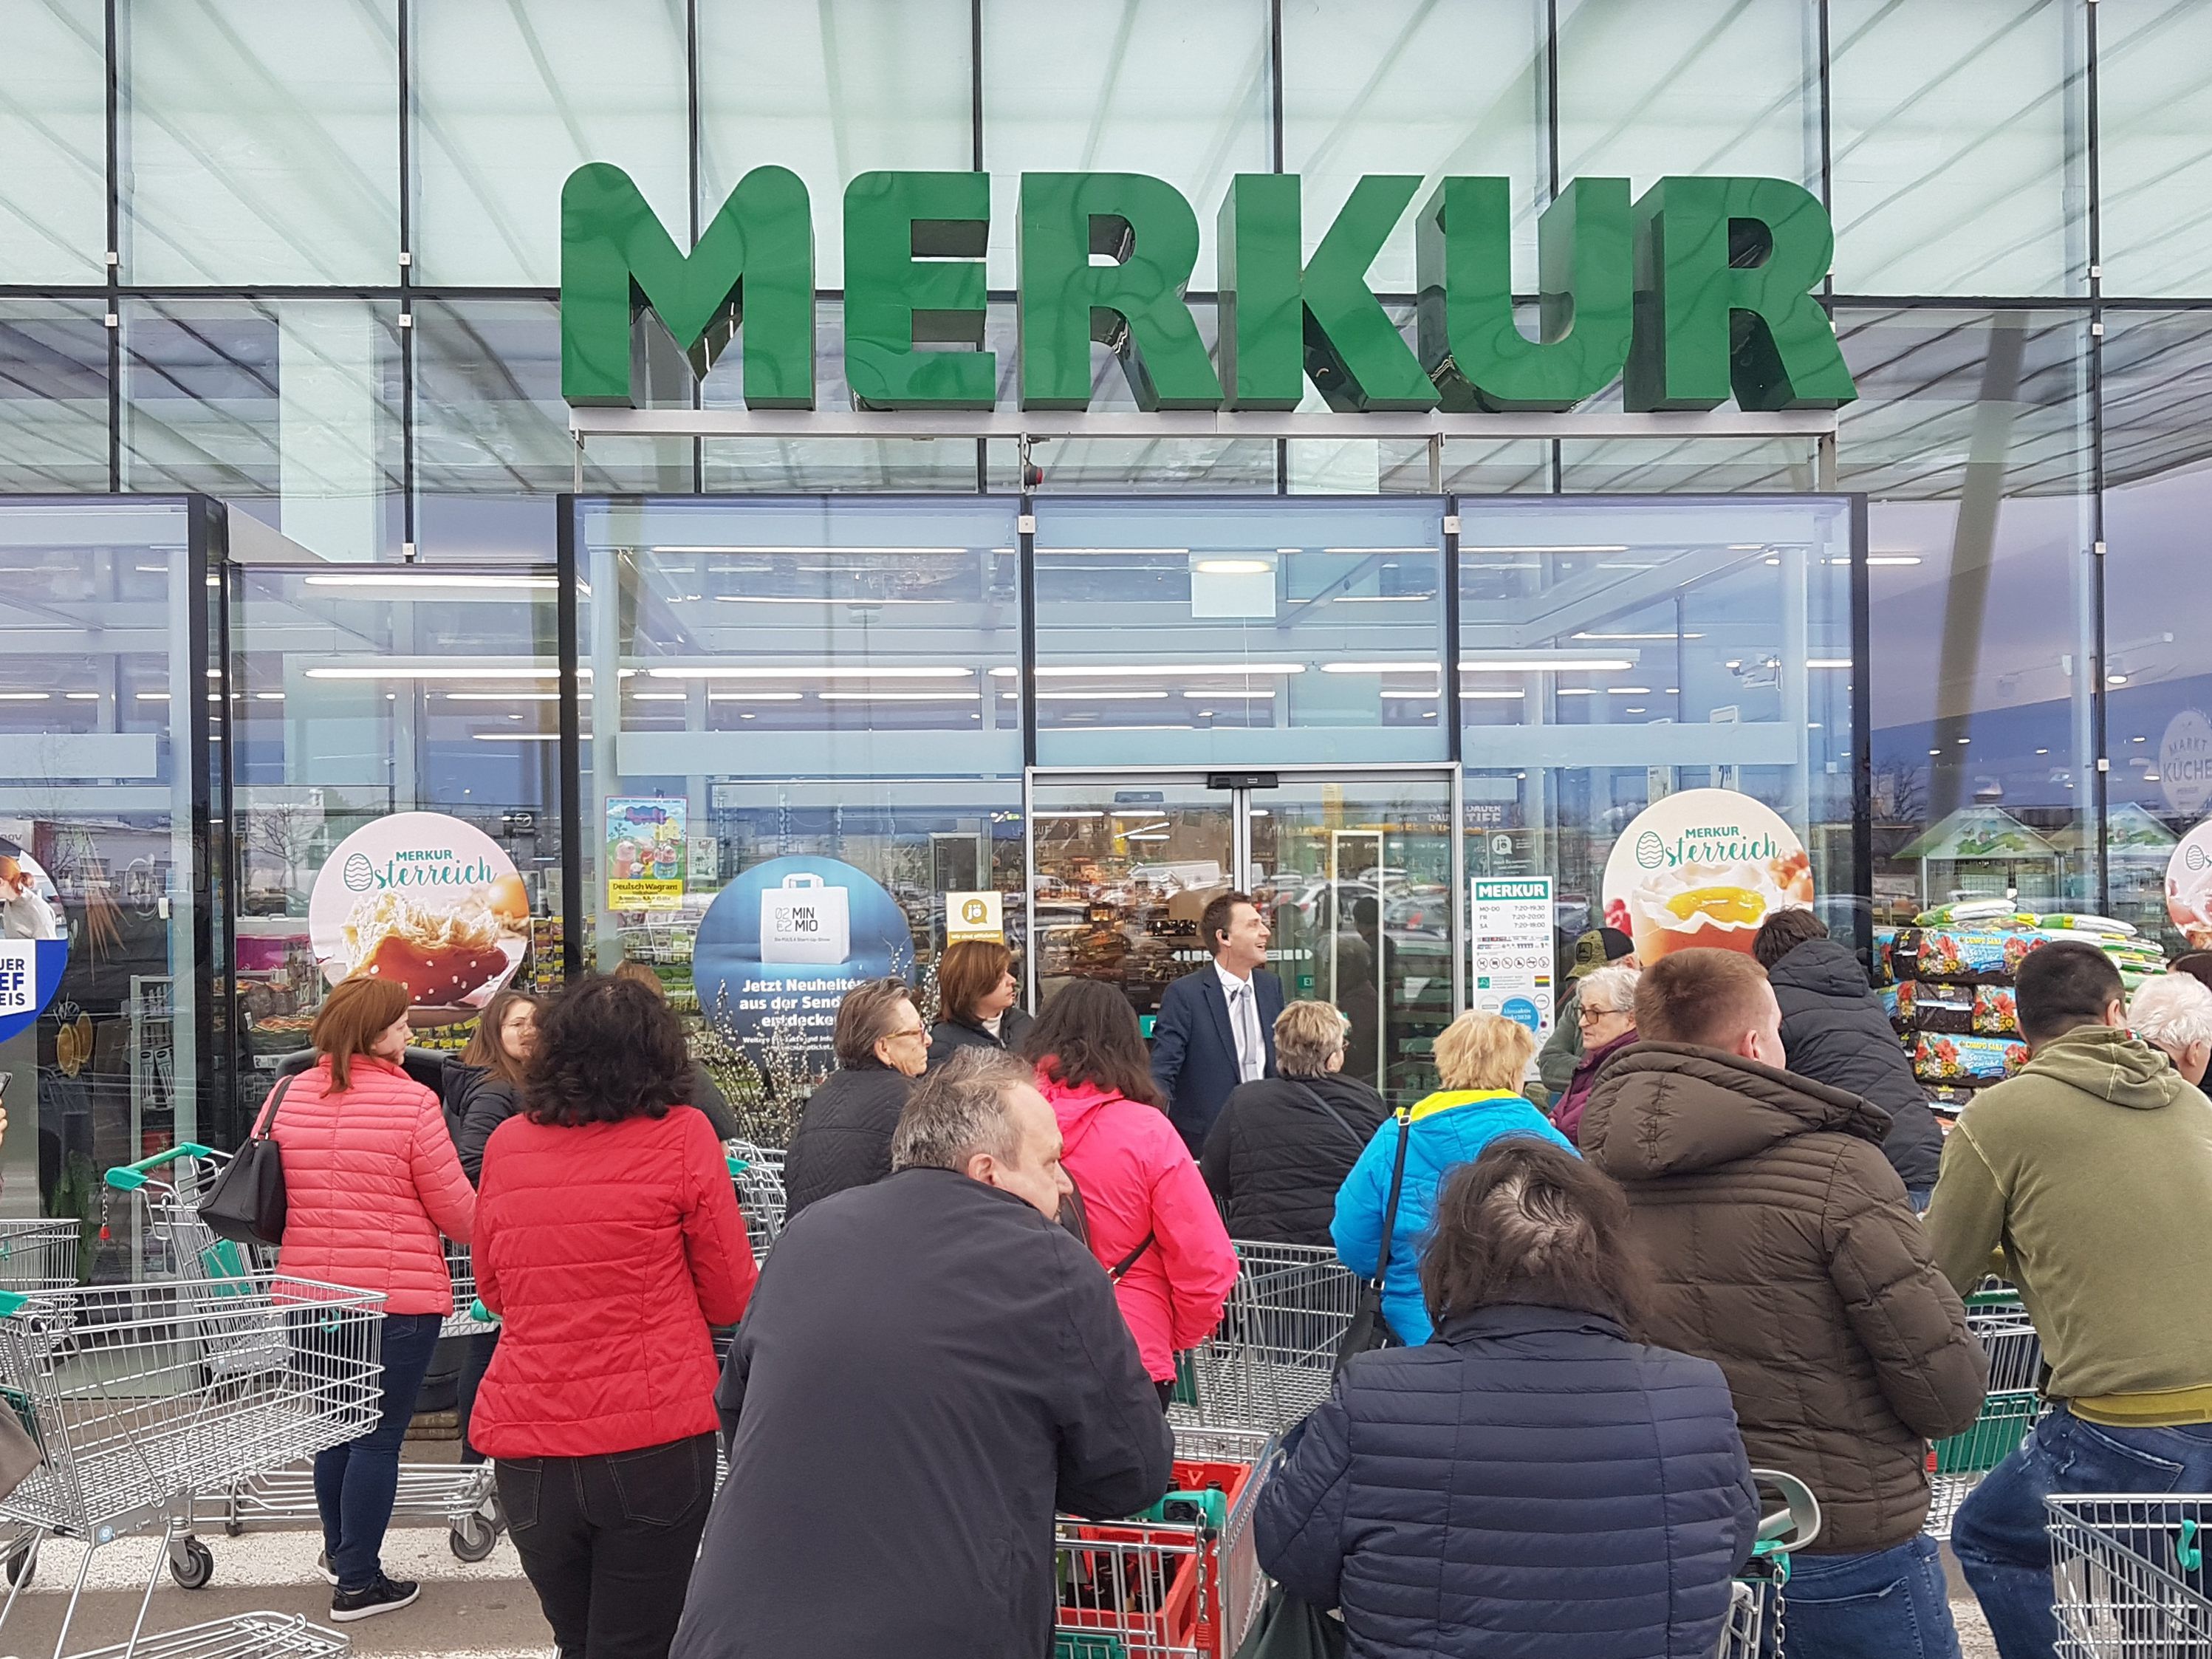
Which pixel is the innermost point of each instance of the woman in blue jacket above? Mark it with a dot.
(1481, 1060)
(1530, 1484)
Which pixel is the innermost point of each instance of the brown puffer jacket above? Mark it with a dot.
(1783, 1249)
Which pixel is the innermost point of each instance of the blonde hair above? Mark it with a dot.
(1306, 1035)
(1616, 990)
(1484, 1051)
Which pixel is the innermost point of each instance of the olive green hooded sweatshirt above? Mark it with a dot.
(2092, 1172)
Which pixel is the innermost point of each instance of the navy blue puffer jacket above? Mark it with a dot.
(1528, 1485)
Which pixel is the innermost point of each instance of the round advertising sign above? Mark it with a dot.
(2185, 762)
(428, 900)
(1702, 868)
(2189, 886)
(33, 942)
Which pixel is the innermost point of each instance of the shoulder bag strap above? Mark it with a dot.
(267, 1127)
(1322, 1101)
(1397, 1187)
(1119, 1269)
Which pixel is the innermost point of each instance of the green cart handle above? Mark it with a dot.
(1212, 1506)
(738, 1166)
(481, 1314)
(130, 1177)
(2189, 1552)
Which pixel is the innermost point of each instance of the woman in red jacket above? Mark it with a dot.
(370, 1180)
(1152, 1221)
(608, 1240)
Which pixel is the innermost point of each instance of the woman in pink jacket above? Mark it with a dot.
(1152, 1225)
(371, 1180)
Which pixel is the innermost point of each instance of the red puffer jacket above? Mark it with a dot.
(370, 1180)
(608, 1249)
(1138, 1179)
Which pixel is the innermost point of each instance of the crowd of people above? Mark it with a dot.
(1715, 1229)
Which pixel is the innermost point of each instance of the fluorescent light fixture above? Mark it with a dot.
(824, 598)
(811, 672)
(523, 737)
(1234, 567)
(153, 696)
(1637, 636)
(900, 696)
(1579, 547)
(1576, 691)
(1492, 696)
(2115, 679)
(811, 547)
(755, 696)
(434, 671)
(1630, 690)
(1431, 547)
(505, 696)
(1827, 662)
(268, 696)
(1383, 598)
(1137, 837)
(1560, 665)
(25, 697)
(428, 579)
(665, 696)
(1249, 694)
(1378, 668)
(1164, 671)
(81, 696)
(1883, 558)
(1138, 552)
(1103, 696)
(1069, 815)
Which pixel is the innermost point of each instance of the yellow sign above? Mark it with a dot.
(974, 915)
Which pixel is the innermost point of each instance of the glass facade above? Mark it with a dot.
(301, 258)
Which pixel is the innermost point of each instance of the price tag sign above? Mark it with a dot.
(1510, 922)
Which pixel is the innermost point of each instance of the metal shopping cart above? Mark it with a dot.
(1789, 1519)
(1956, 1466)
(1271, 1360)
(2129, 1576)
(1181, 1580)
(758, 1173)
(169, 1185)
(38, 1254)
(140, 1395)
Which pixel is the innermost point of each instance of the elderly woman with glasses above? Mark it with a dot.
(844, 1134)
(1605, 1006)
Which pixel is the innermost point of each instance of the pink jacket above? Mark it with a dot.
(1137, 1177)
(371, 1179)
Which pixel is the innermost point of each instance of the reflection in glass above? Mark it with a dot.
(53, 131)
(2153, 170)
(53, 396)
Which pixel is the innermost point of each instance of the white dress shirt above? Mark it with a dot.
(1244, 1025)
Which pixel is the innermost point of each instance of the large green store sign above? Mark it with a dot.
(1699, 291)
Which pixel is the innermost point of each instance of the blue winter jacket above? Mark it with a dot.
(1449, 1128)
(1530, 1485)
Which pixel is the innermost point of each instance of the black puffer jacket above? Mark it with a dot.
(477, 1100)
(1501, 1489)
(1835, 1032)
(949, 1037)
(1275, 1158)
(844, 1134)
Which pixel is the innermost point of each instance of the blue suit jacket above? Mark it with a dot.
(1194, 1050)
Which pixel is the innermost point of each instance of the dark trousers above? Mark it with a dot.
(356, 1483)
(609, 1542)
(476, 1351)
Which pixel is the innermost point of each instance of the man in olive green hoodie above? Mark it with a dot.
(2091, 1173)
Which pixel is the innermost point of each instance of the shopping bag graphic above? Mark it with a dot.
(804, 921)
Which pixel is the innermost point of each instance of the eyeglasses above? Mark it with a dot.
(1591, 1016)
(907, 1031)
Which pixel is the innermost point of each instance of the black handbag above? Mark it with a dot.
(1369, 1328)
(247, 1204)
(1287, 1628)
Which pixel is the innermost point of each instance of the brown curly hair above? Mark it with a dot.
(607, 1049)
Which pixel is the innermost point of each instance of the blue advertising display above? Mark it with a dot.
(781, 945)
(33, 942)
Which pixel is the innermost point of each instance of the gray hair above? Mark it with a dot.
(2173, 1011)
(1615, 989)
(958, 1111)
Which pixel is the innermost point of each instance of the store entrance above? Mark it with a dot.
(1355, 871)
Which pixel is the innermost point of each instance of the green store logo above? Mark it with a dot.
(1699, 291)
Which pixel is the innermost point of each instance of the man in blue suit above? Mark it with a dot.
(1217, 1025)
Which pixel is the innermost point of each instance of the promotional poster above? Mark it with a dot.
(1702, 869)
(33, 939)
(645, 852)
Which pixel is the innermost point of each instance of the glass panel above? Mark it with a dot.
(1361, 94)
(1693, 87)
(2154, 168)
(357, 694)
(53, 395)
(1245, 633)
(1122, 874)
(1956, 147)
(99, 689)
(53, 142)
(1971, 440)
(508, 101)
(2158, 497)
(1357, 876)
(1179, 92)
(260, 141)
(293, 405)
(833, 91)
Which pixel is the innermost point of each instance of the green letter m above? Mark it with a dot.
(754, 266)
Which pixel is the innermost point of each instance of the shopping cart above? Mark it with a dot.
(1789, 1519)
(169, 1186)
(1271, 1360)
(758, 1173)
(1181, 1580)
(140, 1395)
(1956, 1466)
(38, 1254)
(2129, 1576)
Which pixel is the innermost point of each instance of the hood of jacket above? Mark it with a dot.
(2114, 1066)
(1073, 1105)
(1823, 967)
(1664, 1108)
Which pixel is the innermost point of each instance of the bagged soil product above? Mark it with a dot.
(1966, 913)
(1885, 945)
(1937, 1058)
(1933, 1006)
(1994, 1012)
(1978, 957)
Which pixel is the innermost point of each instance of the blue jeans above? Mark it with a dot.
(1999, 1535)
(356, 1482)
(1918, 1197)
(1890, 1604)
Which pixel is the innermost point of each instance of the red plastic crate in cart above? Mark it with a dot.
(1153, 1588)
